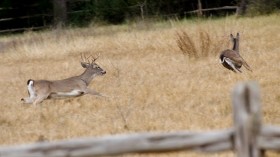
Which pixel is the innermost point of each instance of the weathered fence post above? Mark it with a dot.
(60, 12)
(247, 119)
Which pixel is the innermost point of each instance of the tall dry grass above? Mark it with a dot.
(201, 45)
(152, 84)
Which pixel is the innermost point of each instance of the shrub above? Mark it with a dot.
(203, 46)
(260, 7)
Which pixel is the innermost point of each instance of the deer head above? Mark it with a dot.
(92, 68)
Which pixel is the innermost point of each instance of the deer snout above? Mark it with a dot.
(103, 72)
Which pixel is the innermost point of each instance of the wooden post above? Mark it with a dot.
(247, 119)
(142, 11)
(142, 5)
(60, 12)
(199, 6)
(242, 8)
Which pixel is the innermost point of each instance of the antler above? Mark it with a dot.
(94, 59)
(84, 58)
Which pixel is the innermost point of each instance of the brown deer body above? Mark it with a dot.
(40, 90)
(231, 59)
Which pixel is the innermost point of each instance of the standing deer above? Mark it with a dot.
(231, 59)
(75, 86)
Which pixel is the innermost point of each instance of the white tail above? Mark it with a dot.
(40, 90)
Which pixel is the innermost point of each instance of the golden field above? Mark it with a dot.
(152, 85)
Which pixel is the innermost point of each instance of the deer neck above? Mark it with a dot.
(235, 46)
(86, 76)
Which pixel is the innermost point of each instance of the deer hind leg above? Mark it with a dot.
(229, 62)
(39, 99)
(31, 93)
(41, 95)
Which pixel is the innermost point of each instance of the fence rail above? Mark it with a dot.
(247, 138)
(211, 9)
(49, 17)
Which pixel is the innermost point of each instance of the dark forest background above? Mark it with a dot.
(37, 14)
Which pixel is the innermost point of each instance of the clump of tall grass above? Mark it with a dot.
(199, 46)
(186, 44)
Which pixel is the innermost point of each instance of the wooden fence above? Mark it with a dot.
(211, 9)
(48, 20)
(247, 138)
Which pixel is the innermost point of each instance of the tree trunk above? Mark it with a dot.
(199, 5)
(241, 10)
(59, 12)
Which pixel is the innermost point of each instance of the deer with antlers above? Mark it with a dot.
(75, 86)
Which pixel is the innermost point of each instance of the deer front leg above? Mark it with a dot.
(93, 92)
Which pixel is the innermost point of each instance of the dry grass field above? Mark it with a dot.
(152, 85)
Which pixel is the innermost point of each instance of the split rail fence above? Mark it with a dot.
(46, 20)
(247, 138)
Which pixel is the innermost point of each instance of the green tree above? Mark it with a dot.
(259, 7)
(112, 11)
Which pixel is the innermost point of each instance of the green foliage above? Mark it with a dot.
(4, 4)
(112, 11)
(80, 13)
(84, 12)
(260, 7)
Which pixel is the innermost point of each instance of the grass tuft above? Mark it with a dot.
(186, 44)
(199, 46)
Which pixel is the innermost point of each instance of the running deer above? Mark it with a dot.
(75, 86)
(231, 59)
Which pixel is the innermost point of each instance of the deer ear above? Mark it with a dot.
(237, 35)
(231, 38)
(84, 65)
